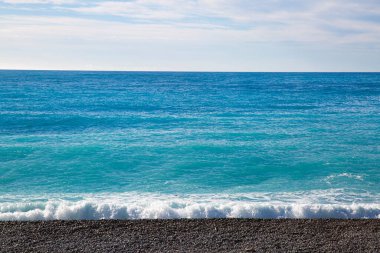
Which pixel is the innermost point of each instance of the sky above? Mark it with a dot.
(191, 35)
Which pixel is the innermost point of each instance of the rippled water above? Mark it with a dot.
(168, 145)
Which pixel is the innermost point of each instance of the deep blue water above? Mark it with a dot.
(163, 144)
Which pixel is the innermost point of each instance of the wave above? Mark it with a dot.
(149, 206)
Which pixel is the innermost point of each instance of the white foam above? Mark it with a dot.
(345, 175)
(155, 206)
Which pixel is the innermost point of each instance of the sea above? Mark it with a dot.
(169, 145)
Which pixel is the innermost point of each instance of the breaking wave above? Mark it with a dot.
(155, 206)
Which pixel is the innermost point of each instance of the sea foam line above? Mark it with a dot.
(177, 207)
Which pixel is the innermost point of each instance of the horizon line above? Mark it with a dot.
(185, 71)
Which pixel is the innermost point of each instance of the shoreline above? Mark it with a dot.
(192, 235)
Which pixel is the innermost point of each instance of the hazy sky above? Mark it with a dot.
(205, 35)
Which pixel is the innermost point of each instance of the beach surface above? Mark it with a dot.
(205, 235)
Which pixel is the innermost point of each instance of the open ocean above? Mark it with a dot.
(136, 145)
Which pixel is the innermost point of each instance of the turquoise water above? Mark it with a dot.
(94, 145)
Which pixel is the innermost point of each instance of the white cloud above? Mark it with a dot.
(58, 2)
(313, 18)
(29, 27)
(142, 9)
(273, 20)
(220, 31)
